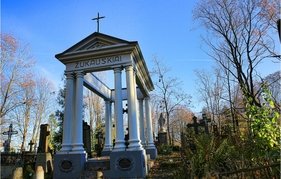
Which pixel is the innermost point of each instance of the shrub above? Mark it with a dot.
(165, 149)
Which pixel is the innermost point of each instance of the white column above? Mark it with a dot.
(108, 125)
(141, 122)
(150, 142)
(68, 117)
(134, 138)
(77, 130)
(118, 111)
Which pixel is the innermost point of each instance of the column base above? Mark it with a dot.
(119, 146)
(69, 165)
(78, 148)
(107, 147)
(134, 145)
(65, 148)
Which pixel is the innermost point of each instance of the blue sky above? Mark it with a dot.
(163, 29)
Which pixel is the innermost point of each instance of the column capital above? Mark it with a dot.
(117, 69)
(69, 74)
(131, 67)
(79, 74)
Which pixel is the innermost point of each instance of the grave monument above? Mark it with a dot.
(7, 143)
(44, 157)
(101, 52)
(162, 134)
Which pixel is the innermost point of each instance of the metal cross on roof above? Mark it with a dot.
(98, 21)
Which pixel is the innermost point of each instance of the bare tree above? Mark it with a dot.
(16, 62)
(167, 92)
(211, 88)
(43, 101)
(181, 117)
(239, 33)
(95, 107)
(23, 112)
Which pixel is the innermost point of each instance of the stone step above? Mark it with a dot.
(98, 164)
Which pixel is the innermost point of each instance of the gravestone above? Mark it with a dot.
(9, 133)
(87, 138)
(44, 157)
(195, 125)
(31, 143)
(6, 145)
(44, 139)
(205, 121)
(162, 134)
(99, 145)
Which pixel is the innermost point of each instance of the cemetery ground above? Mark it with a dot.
(217, 157)
(166, 165)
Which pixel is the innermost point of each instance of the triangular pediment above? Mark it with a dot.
(96, 41)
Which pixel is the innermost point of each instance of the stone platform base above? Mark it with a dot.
(106, 153)
(69, 166)
(127, 164)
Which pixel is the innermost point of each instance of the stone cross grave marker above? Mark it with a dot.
(43, 140)
(7, 143)
(31, 143)
(205, 121)
(195, 125)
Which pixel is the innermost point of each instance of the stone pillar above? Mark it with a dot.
(150, 142)
(134, 138)
(68, 117)
(108, 124)
(141, 122)
(77, 140)
(118, 111)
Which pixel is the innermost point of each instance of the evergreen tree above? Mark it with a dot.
(59, 114)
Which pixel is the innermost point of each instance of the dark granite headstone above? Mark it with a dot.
(87, 138)
(162, 138)
(44, 139)
(44, 157)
